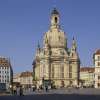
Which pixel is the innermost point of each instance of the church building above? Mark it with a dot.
(55, 64)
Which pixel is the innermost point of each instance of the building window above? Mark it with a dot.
(62, 71)
(98, 77)
(98, 63)
(55, 19)
(52, 71)
(72, 54)
(70, 75)
(70, 72)
(98, 58)
(98, 84)
(70, 69)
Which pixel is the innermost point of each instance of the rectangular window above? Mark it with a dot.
(98, 84)
(98, 63)
(70, 71)
(62, 71)
(98, 58)
(70, 75)
(52, 71)
(70, 68)
(98, 77)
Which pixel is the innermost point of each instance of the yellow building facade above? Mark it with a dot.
(55, 64)
(87, 76)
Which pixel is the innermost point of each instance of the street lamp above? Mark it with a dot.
(11, 90)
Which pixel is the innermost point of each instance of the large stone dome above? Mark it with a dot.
(55, 38)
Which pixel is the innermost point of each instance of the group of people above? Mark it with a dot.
(42, 88)
(18, 91)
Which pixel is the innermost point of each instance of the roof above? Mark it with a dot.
(26, 74)
(34, 62)
(97, 52)
(4, 62)
(54, 11)
(87, 69)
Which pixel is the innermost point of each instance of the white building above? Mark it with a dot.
(96, 58)
(6, 73)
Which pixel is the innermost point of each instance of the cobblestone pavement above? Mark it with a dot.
(83, 91)
(58, 94)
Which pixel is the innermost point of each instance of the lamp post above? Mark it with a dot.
(11, 89)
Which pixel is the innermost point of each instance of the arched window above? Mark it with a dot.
(56, 19)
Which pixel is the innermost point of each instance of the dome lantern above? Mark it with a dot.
(54, 18)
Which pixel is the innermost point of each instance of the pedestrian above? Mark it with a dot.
(21, 91)
(46, 88)
(15, 90)
(38, 88)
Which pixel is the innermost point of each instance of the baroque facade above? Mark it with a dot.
(56, 64)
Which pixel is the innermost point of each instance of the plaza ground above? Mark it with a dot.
(52, 97)
(81, 91)
(58, 94)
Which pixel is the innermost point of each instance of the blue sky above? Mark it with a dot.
(23, 23)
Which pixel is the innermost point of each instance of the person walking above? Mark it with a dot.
(14, 90)
(46, 88)
(21, 91)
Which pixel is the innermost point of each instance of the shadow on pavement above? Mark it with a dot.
(52, 97)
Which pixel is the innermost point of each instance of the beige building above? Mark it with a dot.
(96, 58)
(16, 77)
(87, 76)
(55, 64)
(25, 79)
